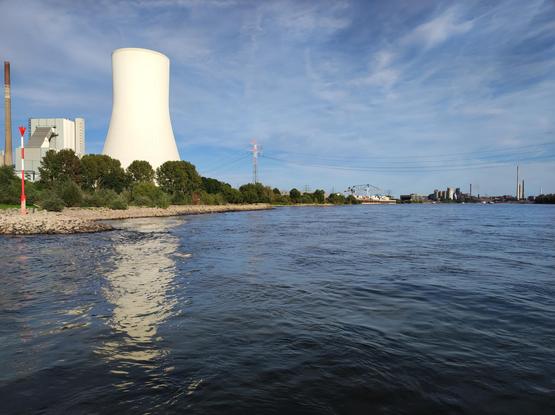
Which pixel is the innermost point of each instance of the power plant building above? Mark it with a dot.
(140, 125)
(50, 134)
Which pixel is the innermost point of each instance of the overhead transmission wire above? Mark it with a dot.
(228, 164)
(484, 159)
(402, 169)
(515, 150)
(501, 157)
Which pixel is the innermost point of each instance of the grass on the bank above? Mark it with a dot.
(8, 206)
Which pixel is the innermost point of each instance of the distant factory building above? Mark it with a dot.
(50, 134)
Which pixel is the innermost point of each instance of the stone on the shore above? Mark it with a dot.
(81, 220)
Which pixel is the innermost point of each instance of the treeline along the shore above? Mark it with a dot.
(99, 181)
(545, 199)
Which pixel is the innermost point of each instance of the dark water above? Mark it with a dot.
(366, 309)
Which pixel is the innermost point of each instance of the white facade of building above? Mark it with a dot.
(140, 126)
(71, 134)
(52, 134)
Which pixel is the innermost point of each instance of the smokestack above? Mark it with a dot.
(8, 160)
(470, 189)
(522, 190)
(517, 185)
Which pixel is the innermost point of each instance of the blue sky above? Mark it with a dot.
(405, 95)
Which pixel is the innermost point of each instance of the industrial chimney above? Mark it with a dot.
(8, 160)
(140, 126)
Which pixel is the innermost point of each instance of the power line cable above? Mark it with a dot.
(226, 165)
(402, 169)
(483, 153)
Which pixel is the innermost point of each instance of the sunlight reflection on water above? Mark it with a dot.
(138, 289)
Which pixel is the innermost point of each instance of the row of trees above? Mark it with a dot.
(99, 180)
(545, 199)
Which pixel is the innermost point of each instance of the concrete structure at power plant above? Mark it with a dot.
(140, 126)
(50, 134)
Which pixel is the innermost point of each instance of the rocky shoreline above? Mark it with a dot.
(83, 220)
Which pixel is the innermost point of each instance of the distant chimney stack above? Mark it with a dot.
(8, 160)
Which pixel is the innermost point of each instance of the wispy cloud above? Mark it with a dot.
(439, 29)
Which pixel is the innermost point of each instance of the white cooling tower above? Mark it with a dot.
(140, 127)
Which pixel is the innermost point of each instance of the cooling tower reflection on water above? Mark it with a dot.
(137, 288)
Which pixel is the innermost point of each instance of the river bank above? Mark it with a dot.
(83, 220)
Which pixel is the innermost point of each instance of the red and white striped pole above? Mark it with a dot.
(23, 198)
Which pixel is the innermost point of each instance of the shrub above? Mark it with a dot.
(69, 192)
(141, 201)
(148, 194)
(118, 203)
(232, 195)
(306, 198)
(53, 204)
(9, 187)
(100, 198)
(351, 200)
(162, 201)
(182, 199)
(212, 199)
(336, 199)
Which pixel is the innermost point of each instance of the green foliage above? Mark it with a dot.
(60, 165)
(31, 192)
(351, 200)
(69, 192)
(276, 191)
(256, 193)
(294, 195)
(181, 199)
(148, 194)
(319, 196)
(102, 172)
(232, 195)
(53, 203)
(306, 198)
(100, 198)
(140, 171)
(213, 186)
(162, 201)
(545, 199)
(336, 199)
(227, 193)
(118, 203)
(282, 200)
(212, 198)
(10, 187)
(178, 177)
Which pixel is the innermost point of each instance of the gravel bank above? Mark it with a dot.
(80, 220)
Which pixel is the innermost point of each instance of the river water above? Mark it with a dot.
(357, 309)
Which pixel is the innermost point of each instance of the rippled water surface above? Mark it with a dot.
(365, 309)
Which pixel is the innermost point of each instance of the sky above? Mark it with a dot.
(406, 95)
